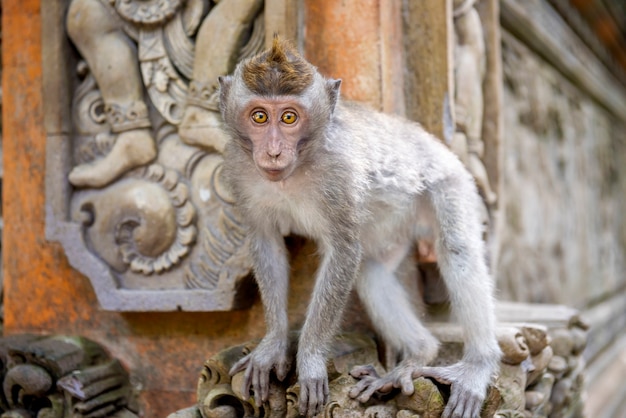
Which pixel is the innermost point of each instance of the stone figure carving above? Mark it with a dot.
(146, 146)
(57, 377)
(470, 63)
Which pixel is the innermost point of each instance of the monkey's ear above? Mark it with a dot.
(225, 83)
(332, 87)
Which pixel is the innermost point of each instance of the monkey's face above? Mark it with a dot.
(274, 127)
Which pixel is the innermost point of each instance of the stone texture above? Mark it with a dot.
(49, 376)
(564, 188)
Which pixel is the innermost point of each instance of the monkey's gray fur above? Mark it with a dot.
(360, 183)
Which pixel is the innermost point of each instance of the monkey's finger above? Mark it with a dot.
(239, 366)
(451, 408)
(282, 370)
(359, 387)
(464, 407)
(367, 370)
(304, 399)
(258, 386)
(264, 383)
(473, 406)
(247, 382)
(316, 402)
(437, 373)
(373, 388)
(322, 394)
(406, 384)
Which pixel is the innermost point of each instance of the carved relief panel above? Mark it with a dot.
(474, 97)
(134, 159)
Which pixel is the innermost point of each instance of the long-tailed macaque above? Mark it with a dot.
(357, 182)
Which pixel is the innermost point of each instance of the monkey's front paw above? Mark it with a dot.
(370, 383)
(313, 380)
(468, 386)
(258, 365)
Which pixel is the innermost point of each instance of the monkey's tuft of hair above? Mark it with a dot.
(278, 71)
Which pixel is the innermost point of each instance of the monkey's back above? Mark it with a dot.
(400, 161)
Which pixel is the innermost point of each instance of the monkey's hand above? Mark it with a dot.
(468, 383)
(370, 382)
(270, 354)
(313, 380)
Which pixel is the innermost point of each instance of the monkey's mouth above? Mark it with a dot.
(274, 174)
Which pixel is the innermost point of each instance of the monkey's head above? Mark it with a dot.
(276, 106)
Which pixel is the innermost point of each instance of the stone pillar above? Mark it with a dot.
(361, 43)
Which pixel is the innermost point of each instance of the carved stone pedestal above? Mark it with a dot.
(540, 374)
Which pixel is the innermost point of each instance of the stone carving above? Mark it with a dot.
(540, 374)
(555, 338)
(219, 395)
(57, 377)
(148, 201)
(470, 66)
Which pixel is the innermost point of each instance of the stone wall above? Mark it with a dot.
(563, 233)
(564, 181)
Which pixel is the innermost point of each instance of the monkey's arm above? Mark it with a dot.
(462, 264)
(272, 275)
(337, 271)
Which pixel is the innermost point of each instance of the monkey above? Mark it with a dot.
(359, 183)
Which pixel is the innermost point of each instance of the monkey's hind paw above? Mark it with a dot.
(371, 383)
(468, 386)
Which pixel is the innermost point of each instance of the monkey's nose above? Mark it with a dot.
(274, 154)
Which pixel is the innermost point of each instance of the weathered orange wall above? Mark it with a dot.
(43, 294)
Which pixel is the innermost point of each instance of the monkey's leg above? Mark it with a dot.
(460, 255)
(112, 58)
(271, 270)
(333, 284)
(393, 315)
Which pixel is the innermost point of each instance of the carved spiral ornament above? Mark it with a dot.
(141, 261)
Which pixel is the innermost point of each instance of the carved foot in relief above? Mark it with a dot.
(202, 128)
(131, 149)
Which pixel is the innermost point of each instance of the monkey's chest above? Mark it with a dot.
(294, 211)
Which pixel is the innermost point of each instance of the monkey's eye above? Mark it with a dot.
(259, 116)
(289, 117)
